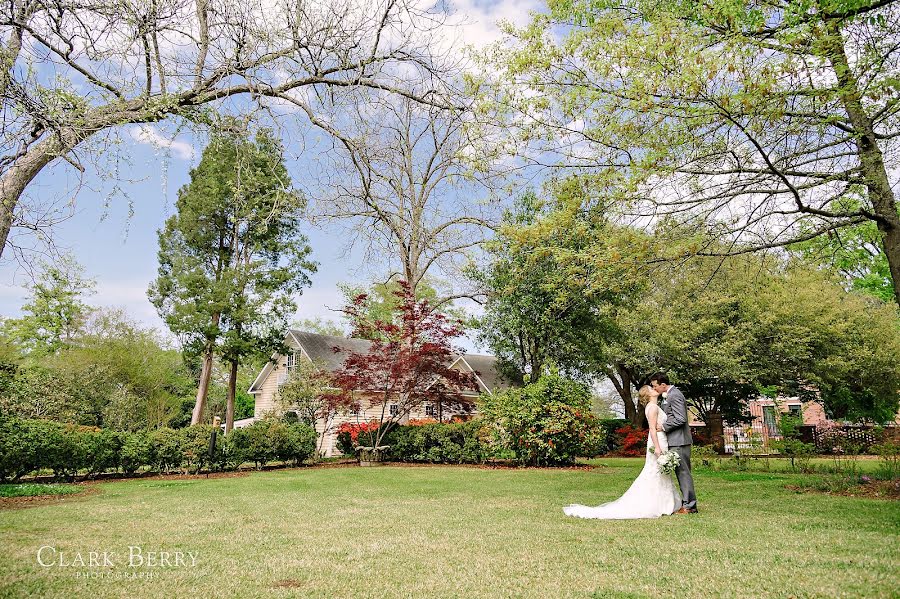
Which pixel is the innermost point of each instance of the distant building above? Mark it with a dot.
(319, 349)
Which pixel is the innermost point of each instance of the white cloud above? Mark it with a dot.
(478, 22)
(145, 134)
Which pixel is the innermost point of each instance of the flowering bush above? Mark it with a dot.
(546, 423)
(348, 435)
(420, 421)
(633, 442)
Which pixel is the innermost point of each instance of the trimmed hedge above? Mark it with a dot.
(440, 443)
(27, 446)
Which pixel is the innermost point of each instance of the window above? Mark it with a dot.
(394, 409)
(291, 360)
(795, 409)
(769, 419)
(429, 409)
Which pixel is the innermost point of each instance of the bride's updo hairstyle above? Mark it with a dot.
(644, 394)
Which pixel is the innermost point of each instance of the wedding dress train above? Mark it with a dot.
(651, 495)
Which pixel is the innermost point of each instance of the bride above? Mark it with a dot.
(652, 494)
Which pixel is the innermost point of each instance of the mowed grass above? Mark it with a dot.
(446, 531)
(34, 490)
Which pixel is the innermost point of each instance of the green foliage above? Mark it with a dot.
(68, 450)
(305, 392)
(382, 304)
(167, 454)
(790, 443)
(706, 112)
(546, 423)
(320, 325)
(889, 464)
(553, 282)
(612, 440)
(233, 258)
(268, 440)
(54, 313)
(136, 451)
(116, 375)
(440, 443)
(856, 255)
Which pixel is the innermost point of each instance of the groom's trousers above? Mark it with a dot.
(685, 480)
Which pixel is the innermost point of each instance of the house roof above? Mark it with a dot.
(320, 350)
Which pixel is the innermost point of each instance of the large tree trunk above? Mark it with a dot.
(20, 174)
(232, 391)
(205, 375)
(624, 380)
(878, 186)
(203, 387)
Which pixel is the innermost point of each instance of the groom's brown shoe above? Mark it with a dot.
(683, 510)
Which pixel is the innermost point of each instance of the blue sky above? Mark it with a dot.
(114, 237)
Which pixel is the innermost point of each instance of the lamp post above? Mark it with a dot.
(212, 443)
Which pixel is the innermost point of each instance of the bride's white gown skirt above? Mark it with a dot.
(651, 495)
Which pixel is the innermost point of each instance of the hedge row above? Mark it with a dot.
(28, 446)
(440, 443)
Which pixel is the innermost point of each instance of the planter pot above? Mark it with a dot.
(371, 456)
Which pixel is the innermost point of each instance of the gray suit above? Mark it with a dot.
(678, 434)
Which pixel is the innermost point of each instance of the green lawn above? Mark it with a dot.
(454, 532)
(33, 490)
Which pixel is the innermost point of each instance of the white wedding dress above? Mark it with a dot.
(651, 495)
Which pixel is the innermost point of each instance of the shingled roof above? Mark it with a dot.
(320, 349)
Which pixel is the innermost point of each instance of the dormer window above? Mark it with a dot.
(291, 360)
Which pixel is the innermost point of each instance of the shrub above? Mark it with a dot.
(608, 427)
(790, 443)
(439, 443)
(195, 446)
(26, 446)
(167, 454)
(295, 442)
(889, 464)
(94, 450)
(546, 423)
(348, 435)
(633, 441)
(136, 451)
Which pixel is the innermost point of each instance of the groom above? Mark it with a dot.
(678, 433)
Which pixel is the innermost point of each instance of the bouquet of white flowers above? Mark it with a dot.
(668, 462)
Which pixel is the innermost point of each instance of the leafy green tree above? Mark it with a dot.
(765, 123)
(55, 311)
(233, 257)
(381, 303)
(727, 330)
(319, 325)
(855, 254)
(551, 285)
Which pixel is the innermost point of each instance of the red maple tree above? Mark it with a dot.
(408, 363)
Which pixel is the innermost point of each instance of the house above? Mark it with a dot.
(756, 435)
(319, 349)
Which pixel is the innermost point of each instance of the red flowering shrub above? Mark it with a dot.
(633, 442)
(420, 421)
(348, 435)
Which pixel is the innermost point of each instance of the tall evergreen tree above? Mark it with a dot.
(233, 257)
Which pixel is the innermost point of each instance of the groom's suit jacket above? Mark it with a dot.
(677, 429)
